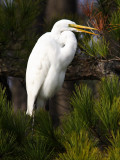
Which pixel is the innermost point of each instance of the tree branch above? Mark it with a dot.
(12, 67)
(79, 69)
(92, 68)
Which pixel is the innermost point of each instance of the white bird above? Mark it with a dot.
(48, 62)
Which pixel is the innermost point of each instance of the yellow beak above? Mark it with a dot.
(78, 27)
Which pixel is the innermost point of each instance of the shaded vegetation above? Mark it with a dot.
(90, 131)
(18, 32)
(106, 18)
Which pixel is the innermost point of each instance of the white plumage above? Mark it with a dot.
(48, 62)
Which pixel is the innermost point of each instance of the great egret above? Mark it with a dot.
(49, 60)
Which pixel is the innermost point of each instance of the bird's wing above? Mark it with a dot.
(39, 63)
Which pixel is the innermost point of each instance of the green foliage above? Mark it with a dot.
(7, 145)
(79, 146)
(109, 88)
(106, 18)
(17, 140)
(90, 132)
(118, 3)
(88, 48)
(82, 102)
(95, 47)
(43, 124)
(82, 116)
(109, 115)
(3, 100)
(99, 117)
(105, 6)
(44, 127)
(114, 149)
(102, 48)
(37, 149)
(17, 27)
(115, 25)
(18, 124)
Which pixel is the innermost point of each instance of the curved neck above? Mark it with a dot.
(69, 45)
(56, 34)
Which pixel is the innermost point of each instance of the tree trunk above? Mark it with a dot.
(59, 8)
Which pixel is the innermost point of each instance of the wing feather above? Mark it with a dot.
(42, 57)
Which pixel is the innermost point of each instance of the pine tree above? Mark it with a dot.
(91, 131)
(106, 18)
(18, 31)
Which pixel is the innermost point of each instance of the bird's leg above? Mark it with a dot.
(40, 103)
(33, 122)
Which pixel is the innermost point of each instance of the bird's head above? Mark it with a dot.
(67, 25)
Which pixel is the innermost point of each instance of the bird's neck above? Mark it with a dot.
(56, 34)
(68, 47)
(55, 31)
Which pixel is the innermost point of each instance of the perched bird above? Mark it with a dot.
(49, 60)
